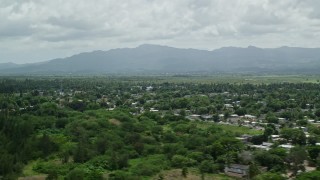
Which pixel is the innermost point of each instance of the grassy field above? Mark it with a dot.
(240, 130)
(193, 174)
(28, 172)
(237, 130)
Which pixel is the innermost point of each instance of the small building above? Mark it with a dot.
(264, 146)
(206, 117)
(248, 116)
(237, 170)
(282, 120)
(228, 106)
(316, 124)
(275, 137)
(194, 117)
(311, 121)
(149, 88)
(234, 119)
(286, 146)
(154, 110)
(267, 144)
(245, 138)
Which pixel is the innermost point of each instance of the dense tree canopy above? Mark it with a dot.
(124, 128)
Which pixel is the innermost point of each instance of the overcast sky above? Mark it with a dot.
(38, 30)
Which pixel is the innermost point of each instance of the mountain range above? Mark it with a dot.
(156, 59)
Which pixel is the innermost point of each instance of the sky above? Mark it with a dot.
(40, 30)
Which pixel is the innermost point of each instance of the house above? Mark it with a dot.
(248, 116)
(311, 121)
(316, 124)
(154, 110)
(149, 88)
(260, 147)
(267, 144)
(286, 146)
(264, 146)
(194, 117)
(304, 129)
(282, 120)
(234, 119)
(228, 106)
(206, 117)
(275, 137)
(241, 139)
(237, 170)
(245, 138)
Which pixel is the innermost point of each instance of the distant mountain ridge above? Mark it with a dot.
(163, 59)
(8, 65)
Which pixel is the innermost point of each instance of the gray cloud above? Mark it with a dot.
(14, 29)
(71, 23)
(35, 30)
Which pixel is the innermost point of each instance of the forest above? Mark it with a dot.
(134, 128)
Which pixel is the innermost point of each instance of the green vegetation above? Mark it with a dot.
(239, 130)
(158, 128)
